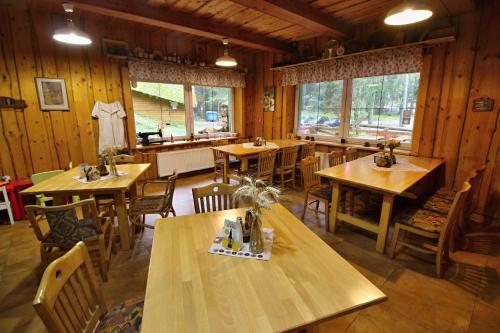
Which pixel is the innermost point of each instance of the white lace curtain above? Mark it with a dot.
(157, 71)
(392, 61)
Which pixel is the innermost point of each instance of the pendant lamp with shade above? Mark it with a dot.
(407, 13)
(71, 34)
(226, 60)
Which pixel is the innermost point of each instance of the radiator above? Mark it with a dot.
(184, 161)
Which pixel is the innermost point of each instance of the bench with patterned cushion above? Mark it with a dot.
(422, 219)
(445, 193)
(437, 204)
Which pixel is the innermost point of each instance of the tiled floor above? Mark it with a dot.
(464, 301)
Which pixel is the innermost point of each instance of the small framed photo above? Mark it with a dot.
(115, 48)
(269, 99)
(52, 94)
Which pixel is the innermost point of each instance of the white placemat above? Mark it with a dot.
(403, 166)
(269, 145)
(85, 181)
(267, 233)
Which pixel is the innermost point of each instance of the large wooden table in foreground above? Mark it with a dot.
(361, 174)
(243, 154)
(64, 185)
(304, 283)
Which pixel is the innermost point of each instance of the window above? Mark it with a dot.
(320, 106)
(164, 105)
(212, 107)
(375, 108)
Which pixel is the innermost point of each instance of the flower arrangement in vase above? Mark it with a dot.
(258, 196)
(391, 144)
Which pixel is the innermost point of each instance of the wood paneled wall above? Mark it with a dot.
(33, 141)
(453, 76)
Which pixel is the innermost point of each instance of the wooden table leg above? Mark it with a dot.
(244, 165)
(385, 217)
(332, 224)
(225, 178)
(121, 212)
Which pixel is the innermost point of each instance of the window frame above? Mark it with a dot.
(346, 117)
(189, 113)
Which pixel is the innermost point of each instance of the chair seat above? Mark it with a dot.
(147, 203)
(86, 229)
(123, 318)
(445, 193)
(437, 204)
(323, 191)
(422, 219)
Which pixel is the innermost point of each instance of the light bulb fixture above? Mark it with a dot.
(226, 60)
(71, 34)
(407, 13)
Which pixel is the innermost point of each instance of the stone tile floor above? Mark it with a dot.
(466, 300)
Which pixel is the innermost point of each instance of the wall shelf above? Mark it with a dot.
(429, 42)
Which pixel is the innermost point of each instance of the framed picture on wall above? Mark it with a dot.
(269, 99)
(52, 94)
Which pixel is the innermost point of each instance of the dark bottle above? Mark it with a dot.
(171, 138)
(230, 239)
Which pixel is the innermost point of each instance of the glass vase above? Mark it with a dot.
(256, 240)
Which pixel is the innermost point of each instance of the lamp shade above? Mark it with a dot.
(226, 60)
(71, 35)
(408, 13)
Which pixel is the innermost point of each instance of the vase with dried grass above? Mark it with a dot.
(255, 194)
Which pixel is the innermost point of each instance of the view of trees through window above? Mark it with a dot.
(211, 109)
(380, 107)
(162, 106)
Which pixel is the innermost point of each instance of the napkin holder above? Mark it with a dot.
(233, 235)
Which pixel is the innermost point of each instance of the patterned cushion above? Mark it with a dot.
(123, 318)
(438, 205)
(322, 191)
(445, 193)
(423, 219)
(147, 203)
(66, 230)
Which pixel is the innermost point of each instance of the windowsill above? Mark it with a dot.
(183, 142)
(329, 143)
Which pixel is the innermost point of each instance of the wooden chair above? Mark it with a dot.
(351, 154)
(265, 165)
(213, 197)
(288, 158)
(335, 158)
(218, 158)
(37, 178)
(314, 189)
(5, 204)
(431, 226)
(58, 229)
(70, 299)
(161, 204)
(305, 151)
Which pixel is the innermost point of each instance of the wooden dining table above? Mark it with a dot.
(245, 151)
(390, 182)
(63, 185)
(304, 283)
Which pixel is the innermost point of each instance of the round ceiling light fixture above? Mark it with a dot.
(226, 60)
(407, 13)
(71, 34)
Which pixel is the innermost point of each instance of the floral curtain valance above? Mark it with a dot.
(393, 61)
(165, 72)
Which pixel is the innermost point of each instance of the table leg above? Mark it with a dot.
(334, 206)
(121, 213)
(225, 178)
(244, 165)
(385, 216)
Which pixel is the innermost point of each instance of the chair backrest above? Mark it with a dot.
(454, 218)
(60, 221)
(351, 154)
(213, 197)
(475, 180)
(124, 159)
(170, 189)
(308, 167)
(40, 177)
(307, 150)
(335, 158)
(265, 166)
(241, 141)
(289, 158)
(69, 298)
(221, 142)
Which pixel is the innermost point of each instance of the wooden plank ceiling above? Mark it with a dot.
(268, 25)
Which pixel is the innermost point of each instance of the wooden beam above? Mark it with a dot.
(139, 12)
(300, 13)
